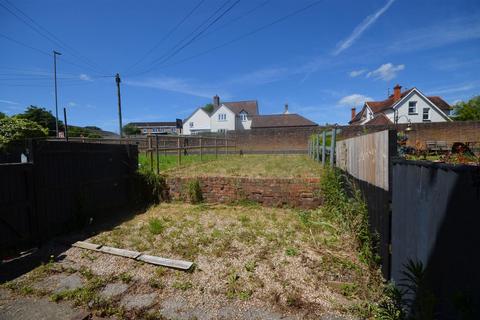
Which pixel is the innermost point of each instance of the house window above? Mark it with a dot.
(412, 107)
(144, 130)
(243, 116)
(190, 124)
(222, 117)
(426, 114)
(222, 130)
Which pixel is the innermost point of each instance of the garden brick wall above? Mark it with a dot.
(294, 140)
(270, 192)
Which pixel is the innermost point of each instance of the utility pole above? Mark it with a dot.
(66, 124)
(117, 80)
(55, 53)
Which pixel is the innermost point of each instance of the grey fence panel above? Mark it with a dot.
(435, 220)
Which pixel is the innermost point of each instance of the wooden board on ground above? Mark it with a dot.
(86, 245)
(159, 261)
(120, 252)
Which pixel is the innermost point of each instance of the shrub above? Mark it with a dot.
(148, 188)
(15, 129)
(194, 191)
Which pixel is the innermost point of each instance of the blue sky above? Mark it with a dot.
(322, 61)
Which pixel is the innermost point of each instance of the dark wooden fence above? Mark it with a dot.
(435, 220)
(63, 186)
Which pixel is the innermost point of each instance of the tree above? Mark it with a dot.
(2, 115)
(41, 116)
(16, 129)
(130, 130)
(469, 110)
(208, 107)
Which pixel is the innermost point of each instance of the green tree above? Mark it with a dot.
(469, 110)
(130, 130)
(16, 129)
(208, 107)
(2, 115)
(41, 116)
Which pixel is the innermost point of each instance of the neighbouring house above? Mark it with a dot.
(409, 106)
(159, 127)
(238, 116)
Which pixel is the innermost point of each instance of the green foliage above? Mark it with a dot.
(41, 116)
(2, 115)
(194, 191)
(15, 129)
(149, 188)
(208, 107)
(74, 131)
(470, 110)
(291, 252)
(155, 226)
(350, 211)
(130, 130)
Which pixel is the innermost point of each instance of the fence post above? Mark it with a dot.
(201, 151)
(308, 147)
(324, 140)
(332, 147)
(158, 158)
(151, 152)
(226, 146)
(317, 148)
(165, 148)
(179, 153)
(216, 149)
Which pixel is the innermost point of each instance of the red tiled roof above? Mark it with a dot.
(439, 102)
(380, 118)
(281, 120)
(378, 106)
(251, 106)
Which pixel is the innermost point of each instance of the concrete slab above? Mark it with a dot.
(86, 245)
(159, 261)
(113, 289)
(120, 252)
(138, 301)
(71, 282)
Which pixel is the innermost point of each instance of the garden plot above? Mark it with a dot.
(250, 262)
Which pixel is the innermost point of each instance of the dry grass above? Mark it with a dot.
(282, 166)
(245, 255)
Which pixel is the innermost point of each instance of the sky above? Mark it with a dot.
(320, 57)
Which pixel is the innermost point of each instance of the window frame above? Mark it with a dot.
(243, 116)
(191, 124)
(414, 107)
(222, 117)
(427, 113)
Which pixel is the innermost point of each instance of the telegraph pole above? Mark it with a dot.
(117, 80)
(55, 53)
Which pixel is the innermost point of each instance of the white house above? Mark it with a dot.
(410, 106)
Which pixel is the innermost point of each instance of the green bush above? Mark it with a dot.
(148, 188)
(194, 191)
(15, 129)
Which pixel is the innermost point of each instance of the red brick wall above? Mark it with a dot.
(271, 192)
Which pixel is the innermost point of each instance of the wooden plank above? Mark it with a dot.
(159, 261)
(120, 252)
(86, 245)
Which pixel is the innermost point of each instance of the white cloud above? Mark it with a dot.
(360, 29)
(9, 102)
(354, 100)
(356, 73)
(71, 104)
(85, 77)
(456, 88)
(177, 85)
(386, 71)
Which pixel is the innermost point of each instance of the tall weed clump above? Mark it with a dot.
(343, 201)
(148, 188)
(194, 191)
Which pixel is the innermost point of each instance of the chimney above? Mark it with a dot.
(286, 109)
(216, 101)
(397, 92)
(353, 113)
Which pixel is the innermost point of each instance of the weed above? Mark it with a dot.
(245, 294)
(244, 219)
(348, 289)
(291, 252)
(155, 226)
(232, 284)
(182, 285)
(156, 283)
(125, 277)
(194, 191)
(250, 266)
(294, 300)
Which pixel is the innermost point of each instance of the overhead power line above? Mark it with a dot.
(45, 33)
(167, 35)
(250, 33)
(179, 47)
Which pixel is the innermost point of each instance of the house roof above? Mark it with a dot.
(281, 120)
(154, 124)
(379, 119)
(250, 106)
(380, 106)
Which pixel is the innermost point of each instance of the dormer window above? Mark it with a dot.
(243, 116)
(222, 117)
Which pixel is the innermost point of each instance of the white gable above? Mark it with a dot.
(199, 121)
(418, 104)
(222, 119)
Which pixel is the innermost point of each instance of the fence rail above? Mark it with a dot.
(322, 145)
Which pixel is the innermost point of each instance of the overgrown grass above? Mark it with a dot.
(170, 161)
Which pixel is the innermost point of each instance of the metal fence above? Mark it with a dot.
(321, 146)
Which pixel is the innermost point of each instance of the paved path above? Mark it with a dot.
(28, 308)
